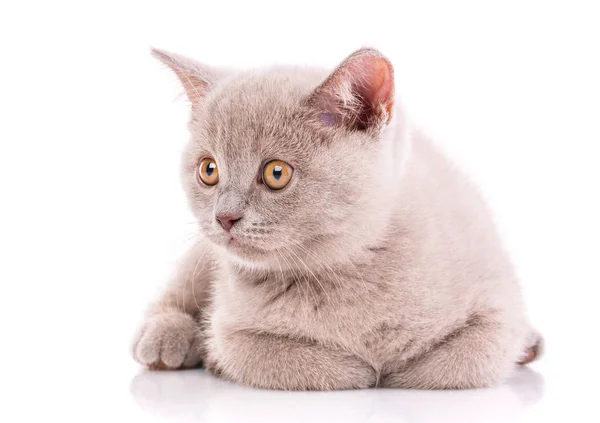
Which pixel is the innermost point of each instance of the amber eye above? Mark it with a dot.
(277, 174)
(208, 172)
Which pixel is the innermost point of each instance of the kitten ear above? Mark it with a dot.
(197, 79)
(359, 94)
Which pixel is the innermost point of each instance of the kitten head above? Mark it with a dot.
(290, 165)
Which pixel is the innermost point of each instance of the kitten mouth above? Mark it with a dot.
(243, 248)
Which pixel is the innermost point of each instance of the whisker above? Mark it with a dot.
(312, 273)
(295, 276)
(321, 263)
(282, 276)
(358, 272)
(194, 274)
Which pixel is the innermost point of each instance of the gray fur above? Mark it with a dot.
(378, 265)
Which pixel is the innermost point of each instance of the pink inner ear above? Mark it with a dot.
(372, 77)
(195, 88)
(188, 72)
(359, 93)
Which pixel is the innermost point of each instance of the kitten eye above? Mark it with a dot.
(208, 172)
(277, 174)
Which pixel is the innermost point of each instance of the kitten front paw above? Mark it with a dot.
(169, 341)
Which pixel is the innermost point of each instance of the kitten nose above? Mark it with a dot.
(227, 220)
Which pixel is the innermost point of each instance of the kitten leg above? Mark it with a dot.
(171, 338)
(274, 362)
(481, 354)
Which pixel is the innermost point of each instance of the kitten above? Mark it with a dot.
(340, 249)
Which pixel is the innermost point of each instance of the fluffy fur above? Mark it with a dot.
(378, 265)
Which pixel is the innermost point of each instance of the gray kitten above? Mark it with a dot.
(340, 249)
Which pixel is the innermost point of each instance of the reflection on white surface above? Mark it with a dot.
(196, 396)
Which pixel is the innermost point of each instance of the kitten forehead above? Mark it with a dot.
(267, 92)
(273, 79)
(259, 112)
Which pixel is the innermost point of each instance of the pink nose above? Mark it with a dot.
(227, 220)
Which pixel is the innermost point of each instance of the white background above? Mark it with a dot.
(93, 219)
